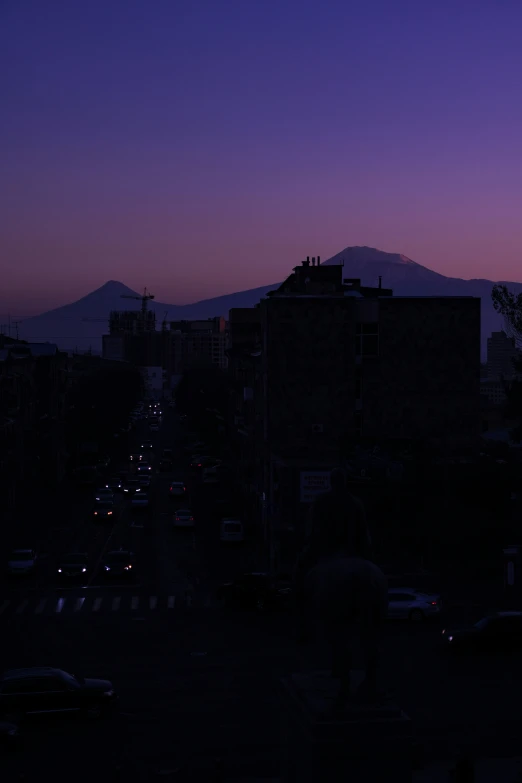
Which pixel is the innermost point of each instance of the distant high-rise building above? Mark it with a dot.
(199, 343)
(502, 351)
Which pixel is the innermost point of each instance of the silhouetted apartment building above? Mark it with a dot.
(343, 363)
(133, 338)
(33, 385)
(501, 353)
(198, 343)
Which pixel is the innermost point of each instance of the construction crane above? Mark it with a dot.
(143, 299)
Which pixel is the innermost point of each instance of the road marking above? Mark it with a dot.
(21, 608)
(41, 606)
(172, 601)
(153, 601)
(116, 603)
(97, 603)
(135, 602)
(79, 603)
(60, 604)
(4, 606)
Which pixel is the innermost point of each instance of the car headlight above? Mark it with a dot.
(95, 513)
(450, 638)
(84, 570)
(59, 570)
(107, 568)
(109, 513)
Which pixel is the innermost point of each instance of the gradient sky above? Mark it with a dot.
(200, 147)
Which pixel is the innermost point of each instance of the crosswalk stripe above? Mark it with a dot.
(4, 606)
(172, 601)
(135, 602)
(21, 607)
(153, 601)
(60, 604)
(97, 603)
(41, 606)
(79, 603)
(116, 604)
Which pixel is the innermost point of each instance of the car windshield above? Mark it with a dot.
(105, 504)
(232, 527)
(22, 554)
(183, 512)
(69, 678)
(75, 558)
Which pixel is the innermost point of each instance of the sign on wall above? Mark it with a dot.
(313, 483)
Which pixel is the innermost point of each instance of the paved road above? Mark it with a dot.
(197, 681)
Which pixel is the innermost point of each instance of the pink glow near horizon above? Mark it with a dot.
(207, 151)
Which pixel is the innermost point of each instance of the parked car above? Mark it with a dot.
(407, 603)
(231, 531)
(73, 566)
(45, 689)
(496, 633)
(183, 517)
(22, 562)
(256, 591)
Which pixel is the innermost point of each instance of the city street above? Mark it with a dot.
(196, 681)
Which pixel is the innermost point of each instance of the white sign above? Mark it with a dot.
(314, 483)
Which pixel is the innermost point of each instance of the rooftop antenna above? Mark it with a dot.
(16, 323)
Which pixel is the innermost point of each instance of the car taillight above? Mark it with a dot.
(433, 603)
(95, 513)
(191, 519)
(109, 513)
(178, 519)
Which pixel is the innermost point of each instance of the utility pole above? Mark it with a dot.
(16, 328)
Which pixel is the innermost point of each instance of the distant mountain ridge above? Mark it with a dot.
(67, 326)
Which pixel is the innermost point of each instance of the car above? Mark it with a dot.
(21, 562)
(115, 484)
(135, 457)
(132, 486)
(140, 500)
(177, 489)
(146, 445)
(120, 562)
(495, 633)
(104, 495)
(9, 735)
(183, 517)
(210, 475)
(103, 510)
(231, 531)
(407, 603)
(256, 591)
(46, 689)
(144, 467)
(195, 462)
(165, 465)
(73, 565)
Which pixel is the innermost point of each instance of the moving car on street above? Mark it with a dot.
(407, 603)
(255, 591)
(120, 562)
(146, 445)
(140, 500)
(183, 517)
(22, 562)
(73, 566)
(496, 633)
(135, 457)
(42, 690)
(115, 484)
(132, 486)
(177, 489)
(144, 467)
(103, 511)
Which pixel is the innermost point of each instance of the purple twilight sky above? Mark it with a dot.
(200, 147)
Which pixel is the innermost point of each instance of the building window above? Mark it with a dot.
(367, 339)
